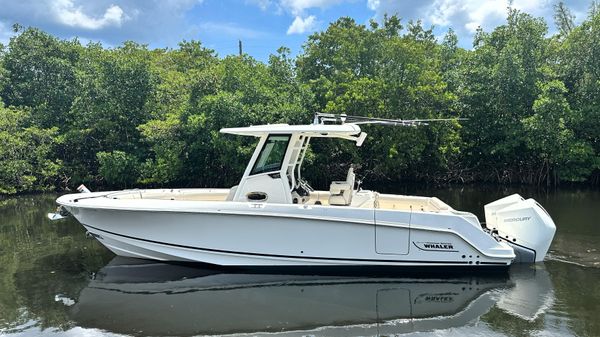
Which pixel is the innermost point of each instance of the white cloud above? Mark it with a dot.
(486, 14)
(465, 16)
(298, 7)
(470, 14)
(294, 7)
(441, 11)
(373, 4)
(301, 26)
(159, 23)
(67, 13)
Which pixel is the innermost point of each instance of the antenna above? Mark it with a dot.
(323, 118)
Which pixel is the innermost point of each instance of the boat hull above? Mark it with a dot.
(239, 234)
(145, 249)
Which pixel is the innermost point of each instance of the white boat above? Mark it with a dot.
(274, 218)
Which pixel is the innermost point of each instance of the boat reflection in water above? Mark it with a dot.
(139, 297)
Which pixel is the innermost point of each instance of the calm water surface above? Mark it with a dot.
(56, 282)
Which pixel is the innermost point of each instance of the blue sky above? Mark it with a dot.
(262, 25)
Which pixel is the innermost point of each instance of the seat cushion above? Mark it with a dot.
(338, 200)
(337, 187)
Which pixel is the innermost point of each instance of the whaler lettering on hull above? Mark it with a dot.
(435, 246)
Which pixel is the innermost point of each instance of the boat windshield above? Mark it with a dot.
(271, 155)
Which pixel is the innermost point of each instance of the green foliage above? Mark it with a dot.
(581, 72)
(379, 71)
(500, 86)
(24, 163)
(130, 116)
(118, 168)
(549, 137)
(115, 88)
(39, 72)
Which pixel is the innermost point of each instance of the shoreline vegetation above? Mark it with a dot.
(130, 116)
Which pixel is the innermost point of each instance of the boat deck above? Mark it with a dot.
(361, 199)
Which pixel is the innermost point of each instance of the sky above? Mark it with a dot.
(262, 25)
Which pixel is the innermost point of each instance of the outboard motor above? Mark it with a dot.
(524, 224)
